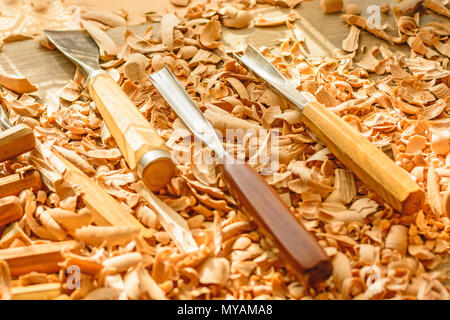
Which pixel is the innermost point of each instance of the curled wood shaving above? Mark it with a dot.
(397, 238)
(352, 19)
(135, 65)
(437, 7)
(352, 8)
(331, 6)
(50, 224)
(407, 7)
(210, 33)
(106, 17)
(440, 142)
(103, 294)
(70, 220)
(168, 23)
(275, 21)
(149, 286)
(181, 3)
(105, 43)
(123, 262)
(76, 159)
(351, 42)
(235, 18)
(214, 271)
(16, 84)
(434, 198)
(345, 188)
(105, 235)
(341, 269)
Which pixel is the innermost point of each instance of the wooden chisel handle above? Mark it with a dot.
(15, 141)
(140, 145)
(297, 246)
(371, 165)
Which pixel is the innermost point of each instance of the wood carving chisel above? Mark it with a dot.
(298, 247)
(143, 149)
(365, 160)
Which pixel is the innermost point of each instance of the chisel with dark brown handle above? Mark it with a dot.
(143, 149)
(298, 247)
(365, 160)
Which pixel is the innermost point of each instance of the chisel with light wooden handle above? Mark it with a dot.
(365, 160)
(143, 149)
(298, 247)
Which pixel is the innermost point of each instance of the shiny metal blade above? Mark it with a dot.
(78, 46)
(261, 67)
(180, 101)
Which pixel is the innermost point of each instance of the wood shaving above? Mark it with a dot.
(275, 21)
(235, 18)
(438, 7)
(352, 8)
(397, 239)
(210, 33)
(106, 17)
(18, 85)
(181, 3)
(109, 236)
(168, 23)
(407, 7)
(352, 19)
(214, 271)
(331, 6)
(105, 43)
(351, 42)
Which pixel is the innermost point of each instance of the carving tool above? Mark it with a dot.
(297, 246)
(142, 148)
(365, 160)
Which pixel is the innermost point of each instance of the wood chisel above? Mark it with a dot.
(143, 149)
(365, 160)
(298, 247)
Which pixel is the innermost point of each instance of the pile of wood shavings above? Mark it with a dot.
(199, 244)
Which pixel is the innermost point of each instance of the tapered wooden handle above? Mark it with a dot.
(371, 165)
(15, 141)
(297, 246)
(140, 145)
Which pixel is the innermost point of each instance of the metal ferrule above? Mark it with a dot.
(93, 74)
(148, 158)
